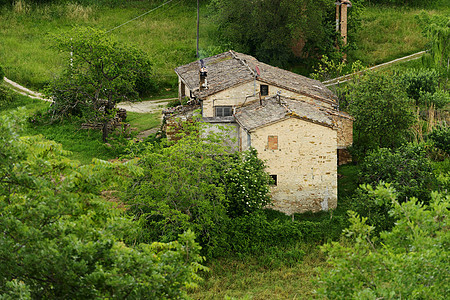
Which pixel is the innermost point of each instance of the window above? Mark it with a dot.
(274, 179)
(224, 111)
(264, 89)
(272, 142)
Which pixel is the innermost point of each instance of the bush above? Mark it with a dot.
(439, 99)
(419, 81)
(440, 136)
(246, 184)
(408, 170)
(382, 112)
(409, 262)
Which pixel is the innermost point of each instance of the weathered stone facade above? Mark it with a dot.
(292, 121)
(304, 163)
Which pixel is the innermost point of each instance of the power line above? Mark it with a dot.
(146, 13)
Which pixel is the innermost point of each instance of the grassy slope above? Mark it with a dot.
(167, 35)
(390, 32)
(84, 144)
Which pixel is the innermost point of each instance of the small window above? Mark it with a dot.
(264, 89)
(224, 111)
(274, 179)
(272, 142)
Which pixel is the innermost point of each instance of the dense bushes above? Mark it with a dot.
(440, 136)
(382, 112)
(408, 170)
(408, 262)
(60, 238)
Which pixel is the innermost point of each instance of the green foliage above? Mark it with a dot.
(375, 204)
(440, 136)
(246, 184)
(195, 183)
(381, 110)
(407, 168)
(439, 99)
(6, 96)
(60, 239)
(274, 30)
(419, 3)
(437, 30)
(100, 73)
(410, 262)
(2, 74)
(419, 81)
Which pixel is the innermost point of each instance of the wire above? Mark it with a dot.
(146, 13)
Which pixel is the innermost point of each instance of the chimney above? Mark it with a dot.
(203, 74)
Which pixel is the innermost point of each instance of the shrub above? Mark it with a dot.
(410, 262)
(441, 138)
(438, 99)
(246, 184)
(419, 81)
(408, 170)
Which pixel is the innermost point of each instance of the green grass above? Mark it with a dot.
(389, 32)
(141, 122)
(167, 35)
(84, 144)
(246, 279)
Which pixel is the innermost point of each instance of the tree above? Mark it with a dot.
(196, 183)
(101, 72)
(408, 262)
(381, 110)
(407, 168)
(61, 240)
(280, 32)
(437, 29)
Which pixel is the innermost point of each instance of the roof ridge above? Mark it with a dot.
(243, 62)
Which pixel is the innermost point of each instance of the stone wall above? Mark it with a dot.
(304, 162)
(244, 93)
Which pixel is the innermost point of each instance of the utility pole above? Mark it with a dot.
(198, 24)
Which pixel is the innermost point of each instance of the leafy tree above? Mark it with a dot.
(407, 168)
(246, 184)
(408, 262)
(61, 240)
(381, 110)
(419, 81)
(441, 138)
(196, 183)
(101, 72)
(270, 29)
(437, 29)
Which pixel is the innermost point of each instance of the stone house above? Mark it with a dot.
(292, 121)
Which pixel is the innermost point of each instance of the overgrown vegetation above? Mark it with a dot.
(195, 185)
(60, 239)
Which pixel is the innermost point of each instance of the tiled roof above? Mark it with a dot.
(276, 108)
(231, 68)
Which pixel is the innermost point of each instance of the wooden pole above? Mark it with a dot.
(344, 27)
(344, 23)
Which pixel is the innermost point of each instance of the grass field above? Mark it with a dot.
(168, 36)
(389, 32)
(84, 144)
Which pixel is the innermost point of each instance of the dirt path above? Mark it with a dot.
(150, 106)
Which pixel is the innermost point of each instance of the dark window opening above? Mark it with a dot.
(264, 89)
(274, 179)
(224, 111)
(182, 90)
